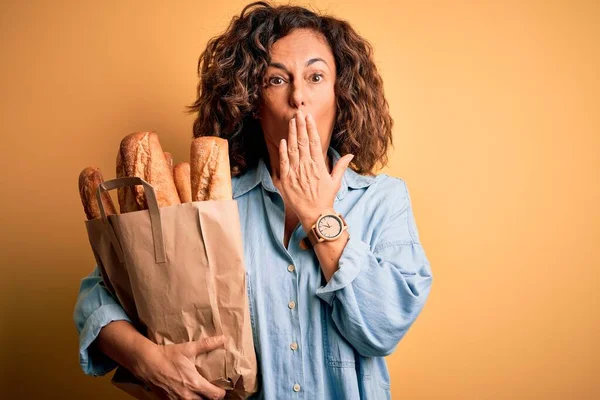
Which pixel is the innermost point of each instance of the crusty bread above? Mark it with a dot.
(210, 174)
(141, 155)
(181, 174)
(89, 180)
(169, 158)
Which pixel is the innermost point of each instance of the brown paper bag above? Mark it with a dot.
(179, 273)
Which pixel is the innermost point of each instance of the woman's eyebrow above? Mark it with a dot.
(279, 66)
(314, 60)
(309, 62)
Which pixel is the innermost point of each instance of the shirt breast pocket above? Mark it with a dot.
(339, 352)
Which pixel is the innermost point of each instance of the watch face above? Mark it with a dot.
(329, 226)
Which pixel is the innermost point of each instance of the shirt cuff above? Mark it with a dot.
(352, 262)
(92, 360)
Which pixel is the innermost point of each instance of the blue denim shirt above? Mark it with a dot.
(314, 339)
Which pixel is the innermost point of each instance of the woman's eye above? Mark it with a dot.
(316, 78)
(276, 81)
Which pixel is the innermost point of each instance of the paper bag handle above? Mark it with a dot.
(155, 221)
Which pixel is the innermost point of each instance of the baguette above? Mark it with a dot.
(89, 180)
(210, 174)
(181, 174)
(141, 155)
(169, 158)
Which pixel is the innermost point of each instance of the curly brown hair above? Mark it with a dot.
(231, 70)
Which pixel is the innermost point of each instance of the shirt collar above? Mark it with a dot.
(260, 174)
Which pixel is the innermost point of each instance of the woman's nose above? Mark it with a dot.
(297, 96)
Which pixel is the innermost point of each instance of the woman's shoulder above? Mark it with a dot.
(388, 193)
(390, 204)
(383, 183)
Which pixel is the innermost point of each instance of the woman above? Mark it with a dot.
(291, 91)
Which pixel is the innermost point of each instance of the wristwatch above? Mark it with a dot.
(329, 227)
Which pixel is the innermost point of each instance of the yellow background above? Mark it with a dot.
(496, 134)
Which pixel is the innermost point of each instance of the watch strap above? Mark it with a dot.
(313, 237)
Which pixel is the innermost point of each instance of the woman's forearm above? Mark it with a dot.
(122, 342)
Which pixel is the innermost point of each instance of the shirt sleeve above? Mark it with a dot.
(381, 287)
(95, 308)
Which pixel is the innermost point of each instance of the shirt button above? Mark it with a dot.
(296, 388)
(292, 304)
(294, 346)
(291, 268)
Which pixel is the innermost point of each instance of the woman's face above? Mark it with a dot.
(301, 76)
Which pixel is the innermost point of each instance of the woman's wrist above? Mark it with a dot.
(143, 350)
(123, 343)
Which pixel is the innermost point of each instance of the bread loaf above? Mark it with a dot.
(210, 174)
(141, 155)
(89, 180)
(169, 158)
(181, 174)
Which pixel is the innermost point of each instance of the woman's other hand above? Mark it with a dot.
(169, 370)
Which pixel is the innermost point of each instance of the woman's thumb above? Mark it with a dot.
(341, 166)
(205, 345)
